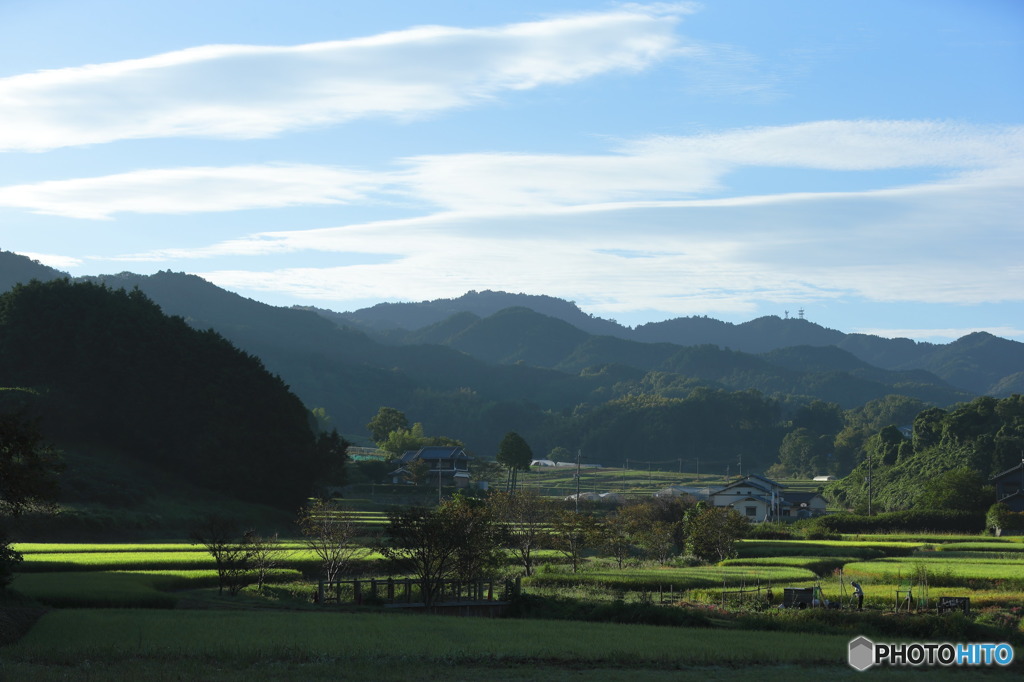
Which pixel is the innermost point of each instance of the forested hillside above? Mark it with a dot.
(949, 458)
(109, 370)
(804, 409)
(977, 363)
(15, 269)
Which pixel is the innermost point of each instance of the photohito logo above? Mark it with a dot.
(864, 653)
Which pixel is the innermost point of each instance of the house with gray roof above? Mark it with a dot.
(442, 461)
(762, 499)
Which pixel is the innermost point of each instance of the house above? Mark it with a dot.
(1009, 487)
(802, 505)
(446, 462)
(762, 499)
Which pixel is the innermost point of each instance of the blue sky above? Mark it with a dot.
(861, 161)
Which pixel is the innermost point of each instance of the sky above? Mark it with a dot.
(860, 163)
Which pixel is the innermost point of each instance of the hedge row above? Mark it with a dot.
(905, 521)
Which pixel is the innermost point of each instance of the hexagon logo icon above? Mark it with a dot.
(862, 653)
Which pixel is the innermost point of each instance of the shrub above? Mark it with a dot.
(912, 521)
(561, 608)
(770, 531)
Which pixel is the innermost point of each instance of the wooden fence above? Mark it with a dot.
(409, 591)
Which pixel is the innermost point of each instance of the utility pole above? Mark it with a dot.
(578, 453)
(869, 484)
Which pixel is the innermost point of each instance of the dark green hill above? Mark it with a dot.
(978, 362)
(475, 377)
(17, 269)
(517, 335)
(351, 375)
(603, 350)
(955, 363)
(113, 372)
(412, 316)
(443, 332)
(756, 336)
(887, 353)
(983, 436)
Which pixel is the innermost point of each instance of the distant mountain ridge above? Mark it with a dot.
(979, 362)
(477, 373)
(385, 317)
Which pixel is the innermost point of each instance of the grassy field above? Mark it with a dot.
(39, 557)
(121, 589)
(943, 571)
(166, 645)
(118, 615)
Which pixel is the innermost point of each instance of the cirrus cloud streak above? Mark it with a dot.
(661, 168)
(246, 91)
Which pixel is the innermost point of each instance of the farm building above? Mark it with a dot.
(444, 461)
(1009, 487)
(762, 499)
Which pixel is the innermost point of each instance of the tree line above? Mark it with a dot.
(468, 539)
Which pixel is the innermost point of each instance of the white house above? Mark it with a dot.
(762, 499)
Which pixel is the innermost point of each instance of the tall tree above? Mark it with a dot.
(223, 539)
(712, 532)
(386, 420)
(332, 453)
(451, 540)
(956, 490)
(480, 553)
(28, 471)
(524, 517)
(28, 466)
(573, 533)
(330, 534)
(515, 454)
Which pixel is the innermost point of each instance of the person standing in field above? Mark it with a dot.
(859, 594)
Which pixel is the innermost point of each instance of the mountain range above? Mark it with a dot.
(980, 363)
(477, 366)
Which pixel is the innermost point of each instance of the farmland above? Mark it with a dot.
(153, 611)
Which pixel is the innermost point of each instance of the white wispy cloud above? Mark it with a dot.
(657, 168)
(244, 91)
(685, 166)
(575, 224)
(194, 190)
(53, 260)
(704, 256)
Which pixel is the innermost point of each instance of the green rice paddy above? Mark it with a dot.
(117, 608)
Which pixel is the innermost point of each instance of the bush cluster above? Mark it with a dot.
(920, 627)
(906, 521)
(563, 608)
